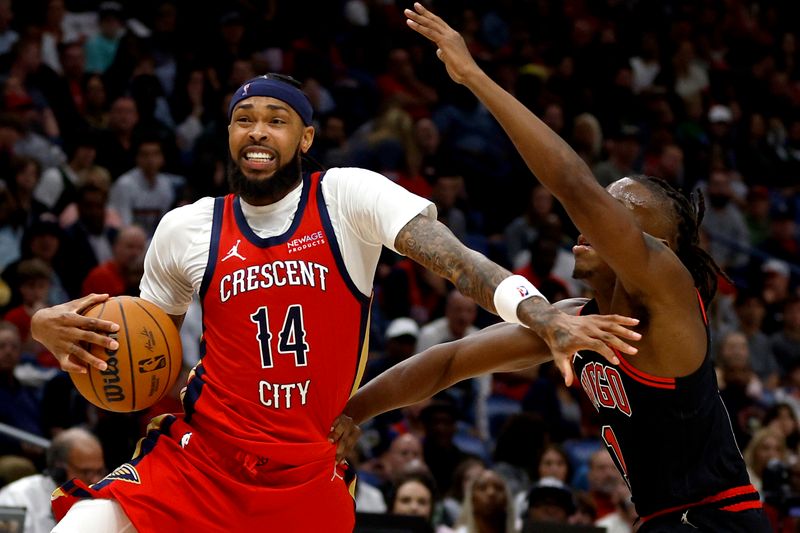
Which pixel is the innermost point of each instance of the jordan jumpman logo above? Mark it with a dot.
(234, 252)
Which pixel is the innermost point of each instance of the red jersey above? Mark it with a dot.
(284, 342)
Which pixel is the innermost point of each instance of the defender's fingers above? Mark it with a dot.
(615, 342)
(565, 366)
(603, 349)
(421, 28)
(624, 320)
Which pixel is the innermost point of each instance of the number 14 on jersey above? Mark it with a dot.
(291, 339)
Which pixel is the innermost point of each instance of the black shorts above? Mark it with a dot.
(709, 519)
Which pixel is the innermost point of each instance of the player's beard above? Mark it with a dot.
(255, 191)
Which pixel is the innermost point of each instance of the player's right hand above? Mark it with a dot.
(65, 332)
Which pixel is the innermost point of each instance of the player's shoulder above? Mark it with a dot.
(348, 175)
(189, 216)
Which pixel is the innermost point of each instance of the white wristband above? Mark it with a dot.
(510, 293)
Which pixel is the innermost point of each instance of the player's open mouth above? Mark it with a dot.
(258, 157)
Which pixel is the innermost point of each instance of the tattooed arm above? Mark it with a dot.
(431, 244)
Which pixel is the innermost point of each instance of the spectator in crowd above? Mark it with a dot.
(750, 311)
(725, 223)
(59, 186)
(457, 322)
(786, 342)
(757, 214)
(782, 240)
(102, 47)
(448, 187)
(118, 275)
(116, 147)
(544, 251)
(33, 276)
(74, 453)
(95, 101)
(413, 494)
(602, 478)
(587, 138)
(43, 241)
(517, 450)
(624, 515)
(14, 467)
(20, 405)
(400, 85)
(439, 449)
(7, 34)
(465, 474)
(766, 445)
(90, 236)
(144, 194)
(549, 500)
(554, 463)
(739, 386)
(775, 283)
(783, 418)
(487, 506)
(25, 172)
(623, 150)
(401, 341)
(525, 228)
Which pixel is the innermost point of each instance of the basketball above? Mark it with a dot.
(145, 365)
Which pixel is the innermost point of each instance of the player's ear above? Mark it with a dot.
(307, 139)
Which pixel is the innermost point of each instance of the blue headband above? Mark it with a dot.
(285, 92)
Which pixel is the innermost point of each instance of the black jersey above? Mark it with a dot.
(671, 438)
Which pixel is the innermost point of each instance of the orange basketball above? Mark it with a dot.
(146, 364)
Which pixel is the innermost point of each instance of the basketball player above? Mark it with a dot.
(284, 268)
(663, 421)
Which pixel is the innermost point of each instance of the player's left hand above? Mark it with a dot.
(566, 334)
(452, 49)
(344, 433)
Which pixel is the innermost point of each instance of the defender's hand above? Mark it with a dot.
(566, 334)
(344, 433)
(64, 332)
(452, 49)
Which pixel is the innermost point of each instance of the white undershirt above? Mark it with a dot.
(366, 209)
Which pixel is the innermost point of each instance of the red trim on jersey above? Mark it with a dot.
(724, 495)
(702, 306)
(643, 377)
(743, 506)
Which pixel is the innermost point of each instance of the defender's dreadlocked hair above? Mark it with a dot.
(689, 212)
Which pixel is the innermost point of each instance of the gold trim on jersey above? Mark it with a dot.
(155, 424)
(364, 355)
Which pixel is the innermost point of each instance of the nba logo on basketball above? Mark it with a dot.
(152, 364)
(523, 291)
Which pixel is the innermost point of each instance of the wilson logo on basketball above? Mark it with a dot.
(152, 364)
(603, 385)
(111, 390)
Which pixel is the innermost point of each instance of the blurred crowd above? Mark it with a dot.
(111, 114)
